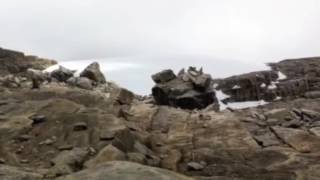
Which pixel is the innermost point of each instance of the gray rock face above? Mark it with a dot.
(94, 73)
(190, 90)
(248, 87)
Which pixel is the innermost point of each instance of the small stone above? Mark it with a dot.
(81, 126)
(107, 135)
(194, 166)
(38, 119)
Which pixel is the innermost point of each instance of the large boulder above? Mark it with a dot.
(62, 74)
(190, 90)
(117, 170)
(94, 73)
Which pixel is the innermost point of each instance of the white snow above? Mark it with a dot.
(236, 87)
(273, 85)
(236, 105)
(281, 76)
(52, 68)
(246, 104)
(263, 85)
(278, 98)
(215, 85)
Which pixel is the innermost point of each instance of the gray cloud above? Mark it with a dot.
(231, 29)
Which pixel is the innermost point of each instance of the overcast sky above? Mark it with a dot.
(247, 31)
(230, 29)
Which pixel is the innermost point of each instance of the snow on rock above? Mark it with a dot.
(236, 105)
(246, 104)
(52, 68)
(273, 85)
(281, 76)
(263, 85)
(236, 87)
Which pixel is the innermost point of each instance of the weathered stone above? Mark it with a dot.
(80, 126)
(37, 119)
(171, 160)
(118, 170)
(108, 153)
(124, 96)
(14, 173)
(94, 73)
(164, 76)
(194, 166)
(62, 74)
(300, 140)
(68, 162)
(137, 158)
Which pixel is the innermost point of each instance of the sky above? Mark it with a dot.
(144, 36)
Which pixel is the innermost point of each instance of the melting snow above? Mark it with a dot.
(246, 104)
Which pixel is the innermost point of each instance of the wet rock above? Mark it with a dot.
(94, 73)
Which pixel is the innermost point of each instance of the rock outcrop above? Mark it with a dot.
(188, 90)
(93, 72)
(63, 132)
(13, 62)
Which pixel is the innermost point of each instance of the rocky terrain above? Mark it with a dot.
(57, 126)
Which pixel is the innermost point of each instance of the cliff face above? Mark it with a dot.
(84, 128)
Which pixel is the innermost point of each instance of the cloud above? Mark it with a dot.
(246, 30)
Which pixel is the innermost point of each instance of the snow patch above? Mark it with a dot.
(236, 87)
(281, 76)
(246, 104)
(263, 85)
(273, 85)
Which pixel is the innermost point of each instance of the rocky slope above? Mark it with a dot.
(54, 126)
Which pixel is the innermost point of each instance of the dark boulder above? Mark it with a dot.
(190, 90)
(163, 76)
(94, 73)
(62, 74)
